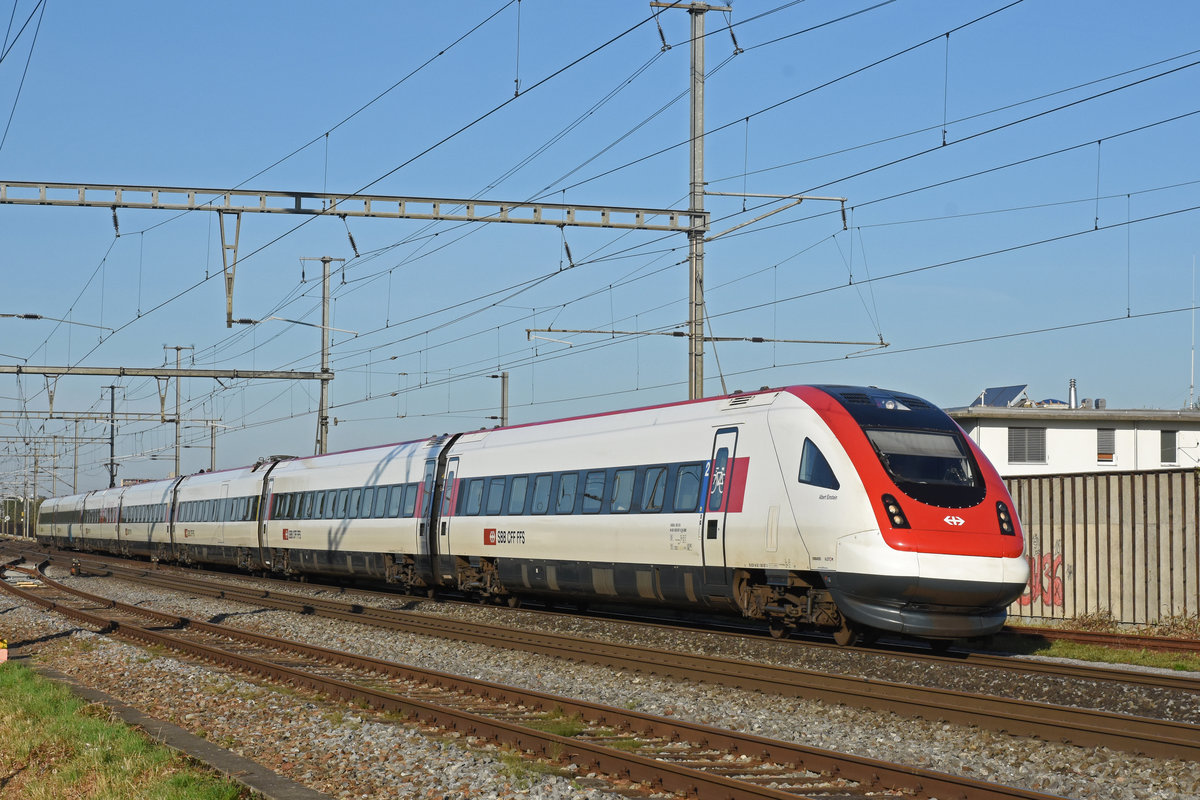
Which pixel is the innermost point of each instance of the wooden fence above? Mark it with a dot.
(1124, 544)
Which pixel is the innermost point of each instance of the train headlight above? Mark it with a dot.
(1004, 517)
(894, 512)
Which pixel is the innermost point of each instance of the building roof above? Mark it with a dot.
(1001, 396)
(1063, 414)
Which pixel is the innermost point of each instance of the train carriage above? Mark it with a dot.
(216, 518)
(144, 528)
(353, 513)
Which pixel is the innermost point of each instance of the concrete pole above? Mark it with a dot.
(112, 436)
(696, 207)
(323, 407)
(178, 395)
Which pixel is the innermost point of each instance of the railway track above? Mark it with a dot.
(1018, 666)
(1165, 644)
(666, 754)
(1135, 734)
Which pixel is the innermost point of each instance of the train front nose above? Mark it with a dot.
(932, 595)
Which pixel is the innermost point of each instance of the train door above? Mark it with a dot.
(717, 479)
(426, 545)
(221, 515)
(445, 557)
(264, 499)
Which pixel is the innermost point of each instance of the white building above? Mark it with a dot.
(1021, 437)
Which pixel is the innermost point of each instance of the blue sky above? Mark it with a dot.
(1051, 237)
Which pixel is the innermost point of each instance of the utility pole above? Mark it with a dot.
(75, 464)
(698, 227)
(112, 437)
(503, 376)
(323, 406)
(178, 394)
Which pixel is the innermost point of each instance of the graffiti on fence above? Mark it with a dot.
(1045, 583)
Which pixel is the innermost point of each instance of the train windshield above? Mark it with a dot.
(931, 466)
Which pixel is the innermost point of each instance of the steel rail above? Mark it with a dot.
(1014, 664)
(1131, 641)
(654, 771)
(1152, 737)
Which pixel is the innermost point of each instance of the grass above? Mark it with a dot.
(54, 746)
(1102, 622)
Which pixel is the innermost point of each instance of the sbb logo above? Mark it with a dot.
(489, 535)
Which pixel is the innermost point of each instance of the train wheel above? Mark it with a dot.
(778, 628)
(848, 635)
(513, 601)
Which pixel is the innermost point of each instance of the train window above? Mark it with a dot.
(381, 502)
(622, 491)
(517, 495)
(318, 506)
(687, 487)
(394, 501)
(339, 507)
(331, 504)
(474, 500)
(541, 493)
(306, 501)
(923, 456)
(427, 482)
(593, 492)
(654, 489)
(568, 483)
(495, 496)
(716, 486)
(355, 500)
(254, 503)
(368, 502)
(410, 499)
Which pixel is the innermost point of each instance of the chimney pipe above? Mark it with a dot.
(1072, 398)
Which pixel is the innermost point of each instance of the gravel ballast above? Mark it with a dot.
(348, 753)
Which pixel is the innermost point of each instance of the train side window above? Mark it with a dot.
(355, 500)
(815, 469)
(474, 499)
(381, 502)
(687, 487)
(307, 506)
(368, 502)
(622, 491)
(339, 508)
(318, 510)
(654, 489)
(410, 500)
(517, 495)
(720, 474)
(541, 493)
(428, 484)
(593, 492)
(495, 496)
(331, 504)
(395, 500)
(568, 483)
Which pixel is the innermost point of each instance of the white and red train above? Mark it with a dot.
(850, 508)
